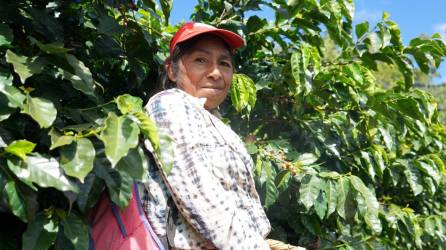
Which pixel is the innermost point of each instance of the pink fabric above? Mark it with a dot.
(107, 232)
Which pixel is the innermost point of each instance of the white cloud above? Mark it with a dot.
(441, 29)
(366, 15)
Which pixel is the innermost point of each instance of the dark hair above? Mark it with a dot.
(180, 50)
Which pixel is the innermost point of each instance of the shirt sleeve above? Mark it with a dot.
(202, 199)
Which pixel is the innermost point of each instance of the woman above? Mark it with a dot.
(215, 204)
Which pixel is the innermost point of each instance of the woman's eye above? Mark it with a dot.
(200, 60)
(226, 64)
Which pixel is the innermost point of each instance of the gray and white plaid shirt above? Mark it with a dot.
(211, 180)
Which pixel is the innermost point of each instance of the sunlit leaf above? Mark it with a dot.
(243, 93)
(309, 190)
(371, 203)
(345, 204)
(129, 104)
(77, 158)
(58, 140)
(43, 171)
(14, 96)
(413, 177)
(41, 110)
(24, 66)
(331, 195)
(320, 205)
(20, 148)
(120, 135)
(307, 159)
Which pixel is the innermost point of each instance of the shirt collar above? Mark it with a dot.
(199, 101)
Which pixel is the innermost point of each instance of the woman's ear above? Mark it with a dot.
(170, 72)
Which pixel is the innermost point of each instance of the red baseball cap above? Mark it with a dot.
(192, 29)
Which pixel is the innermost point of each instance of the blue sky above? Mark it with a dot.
(415, 17)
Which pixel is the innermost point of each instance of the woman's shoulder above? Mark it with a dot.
(165, 97)
(171, 100)
(175, 99)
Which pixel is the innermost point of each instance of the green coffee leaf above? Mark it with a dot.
(121, 193)
(371, 203)
(282, 178)
(108, 25)
(76, 231)
(149, 129)
(89, 192)
(20, 148)
(6, 35)
(368, 163)
(312, 224)
(243, 93)
(43, 171)
(41, 110)
(348, 9)
(134, 164)
(25, 66)
(254, 23)
(166, 6)
(361, 29)
(40, 234)
(297, 70)
(395, 33)
(320, 205)
(271, 193)
(15, 202)
(58, 140)
(378, 156)
(331, 195)
(77, 158)
(150, 3)
(309, 190)
(413, 177)
(307, 159)
(429, 168)
(166, 153)
(374, 41)
(387, 138)
(14, 96)
(128, 104)
(345, 204)
(79, 75)
(51, 48)
(119, 135)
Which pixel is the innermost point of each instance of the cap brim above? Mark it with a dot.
(232, 39)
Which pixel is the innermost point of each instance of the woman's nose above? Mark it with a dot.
(214, 72)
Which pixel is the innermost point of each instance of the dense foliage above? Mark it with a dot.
(439, 92)
(341, 162)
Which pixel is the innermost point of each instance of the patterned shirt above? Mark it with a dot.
(211, 180)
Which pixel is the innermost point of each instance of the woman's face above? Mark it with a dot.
(205, 71)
